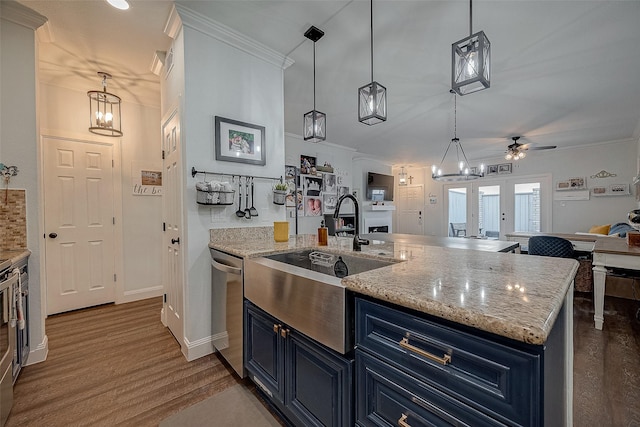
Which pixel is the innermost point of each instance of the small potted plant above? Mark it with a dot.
(280, 193)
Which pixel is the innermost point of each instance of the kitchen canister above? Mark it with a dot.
(281, 231)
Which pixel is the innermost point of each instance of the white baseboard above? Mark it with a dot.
(39, 354)
(203, 346)
(140, 294)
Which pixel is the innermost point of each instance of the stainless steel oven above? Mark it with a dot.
(8, 281)
(21, 304)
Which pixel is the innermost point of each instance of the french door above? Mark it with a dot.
(490, 208)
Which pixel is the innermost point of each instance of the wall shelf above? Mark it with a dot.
(380, 208)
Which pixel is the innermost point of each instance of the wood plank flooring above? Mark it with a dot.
(113, 365)
(117, 365)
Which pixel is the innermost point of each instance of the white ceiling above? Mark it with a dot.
(564, 73)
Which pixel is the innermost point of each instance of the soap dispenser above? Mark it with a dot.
(323, 234)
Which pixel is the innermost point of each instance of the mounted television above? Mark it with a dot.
(379, 187)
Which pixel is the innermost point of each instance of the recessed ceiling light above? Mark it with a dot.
(119, 4)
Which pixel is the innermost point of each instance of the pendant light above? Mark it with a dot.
(104, 110)
(314, 122)
(402, 177)
(372, 98)
(471, 61)
(464, 173)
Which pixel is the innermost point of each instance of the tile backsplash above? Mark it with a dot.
(13, 219)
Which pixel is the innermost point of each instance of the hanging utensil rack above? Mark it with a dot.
(194, 172)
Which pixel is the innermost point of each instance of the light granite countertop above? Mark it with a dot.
(512, 295)
(15, 255)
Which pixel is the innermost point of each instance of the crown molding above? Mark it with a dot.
(323, 143)
(45, 33)
(157, 61)
(15, 12)
(231, 37)
(173, 25)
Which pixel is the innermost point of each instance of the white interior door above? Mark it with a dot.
(172, 214)
(410, 210)
(79, 224)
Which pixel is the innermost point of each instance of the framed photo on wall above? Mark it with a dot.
(241, 142)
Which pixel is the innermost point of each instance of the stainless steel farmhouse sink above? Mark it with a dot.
(328, 263)
(307, 295)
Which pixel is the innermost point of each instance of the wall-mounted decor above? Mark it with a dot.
(611, 190)
(329, 202)
(146, 180)
(342, 191)
(329, 183)
(239, 142)
(312, 206)
(603, 174)
(578, 183)
(504, 168)
(311, 185)
(307, 165)
(492, 170)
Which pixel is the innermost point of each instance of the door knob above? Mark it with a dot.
(173, 241)
(53, 235)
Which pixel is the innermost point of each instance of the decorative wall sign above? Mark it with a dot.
(611, 190)
(504, 168)
(146, 180)
(603, 174)
(578, 183)
(239, 142)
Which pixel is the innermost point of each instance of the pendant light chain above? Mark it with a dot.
(314, 75)
(371, 3)
(470, 17)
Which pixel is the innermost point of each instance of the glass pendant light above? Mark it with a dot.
(402, 177)
(314, 122)
(471, 61)
(372, 98)
(464, 172)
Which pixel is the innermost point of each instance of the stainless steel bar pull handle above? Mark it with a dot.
(402, 422)
(404, 343)
(219, 264)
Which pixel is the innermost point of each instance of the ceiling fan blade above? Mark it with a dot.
(543, 147)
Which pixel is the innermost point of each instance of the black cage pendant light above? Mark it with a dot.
(372, 98)
(471, 61)
(315, 122)
(104, 110)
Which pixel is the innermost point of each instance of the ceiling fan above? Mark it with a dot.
(517, 151)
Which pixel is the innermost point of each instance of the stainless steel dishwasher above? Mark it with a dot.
(227, 305)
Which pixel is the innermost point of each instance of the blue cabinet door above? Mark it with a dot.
(319, 389)
(264, 351)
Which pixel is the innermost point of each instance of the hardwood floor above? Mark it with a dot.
(117, 365)
(113, 365)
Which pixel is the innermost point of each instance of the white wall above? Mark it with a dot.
(221, 80)
(361, 166)
(620, 158)
(64, 112)
(341, 158)
(19, 142)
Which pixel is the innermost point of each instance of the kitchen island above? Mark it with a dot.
(506, 318)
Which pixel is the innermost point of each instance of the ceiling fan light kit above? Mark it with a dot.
(471, 61)
(464, 173)
(314, 122)
(372, 98)
(104, 110)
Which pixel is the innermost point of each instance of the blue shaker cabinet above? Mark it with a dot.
(418, 370)
(306, 382)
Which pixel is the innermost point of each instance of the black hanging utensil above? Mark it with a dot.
(240, 212)
(253, 210)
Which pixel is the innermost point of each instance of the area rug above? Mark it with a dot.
(235, 406)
